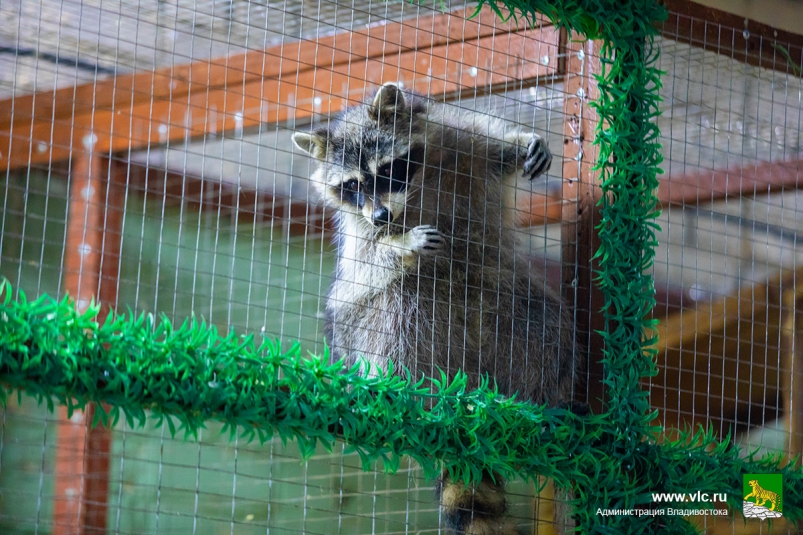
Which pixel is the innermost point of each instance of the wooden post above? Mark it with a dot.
(91, 261)
(581, 192)
(792, 367)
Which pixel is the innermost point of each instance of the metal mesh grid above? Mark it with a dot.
(729, 254)
(59, 44)
(221, 222)
(159, 484)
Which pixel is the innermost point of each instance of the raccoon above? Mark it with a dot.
(427, 276)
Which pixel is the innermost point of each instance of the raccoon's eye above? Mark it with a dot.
(351, 185)
(384, 170)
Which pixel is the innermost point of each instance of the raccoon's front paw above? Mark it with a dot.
(425, 240)
(538, 158)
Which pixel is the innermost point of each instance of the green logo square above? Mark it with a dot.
(763, 495)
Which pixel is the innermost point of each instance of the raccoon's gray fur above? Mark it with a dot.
(427, 276)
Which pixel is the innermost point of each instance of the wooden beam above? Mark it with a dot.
(581, 193)
(440, 70)
(82, 255)
(91, 261)
(81, 264)
(731, 35)
(719, 184)
(303, 217)
(538, 209)
(792, 370)
(323, 88)
(718, 363)
(531, 210)
(379, 40)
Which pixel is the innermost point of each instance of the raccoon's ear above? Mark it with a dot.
(388, 104)
(315, 143)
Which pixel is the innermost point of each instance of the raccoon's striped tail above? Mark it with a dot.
(475, 509)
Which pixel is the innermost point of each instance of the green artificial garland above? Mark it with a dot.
(193, 375)
(610, 461)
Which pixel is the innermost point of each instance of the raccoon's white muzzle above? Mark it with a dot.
(377, 213)
(384, 209)
(381, 216)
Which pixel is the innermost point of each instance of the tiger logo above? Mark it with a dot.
(762, 496)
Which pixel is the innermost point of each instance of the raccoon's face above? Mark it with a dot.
(370, 163)
(372, 178)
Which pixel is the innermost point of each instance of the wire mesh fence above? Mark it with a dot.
(168, 183)
(161, 484)
(150, 164)
(729, 252)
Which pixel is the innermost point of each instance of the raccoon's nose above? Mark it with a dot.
(381, 216)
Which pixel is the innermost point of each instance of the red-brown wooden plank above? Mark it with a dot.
(581, 192)
(716, 185)
(245, 204)
(792, 369)
(731, 35)
(68, 472)
(176, 81)
(436, 70)
(91, 261)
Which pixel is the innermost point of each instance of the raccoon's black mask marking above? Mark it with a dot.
(353, 193)
(392, 177)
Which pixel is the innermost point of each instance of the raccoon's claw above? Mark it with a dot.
(426, 240)
(538, 158)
